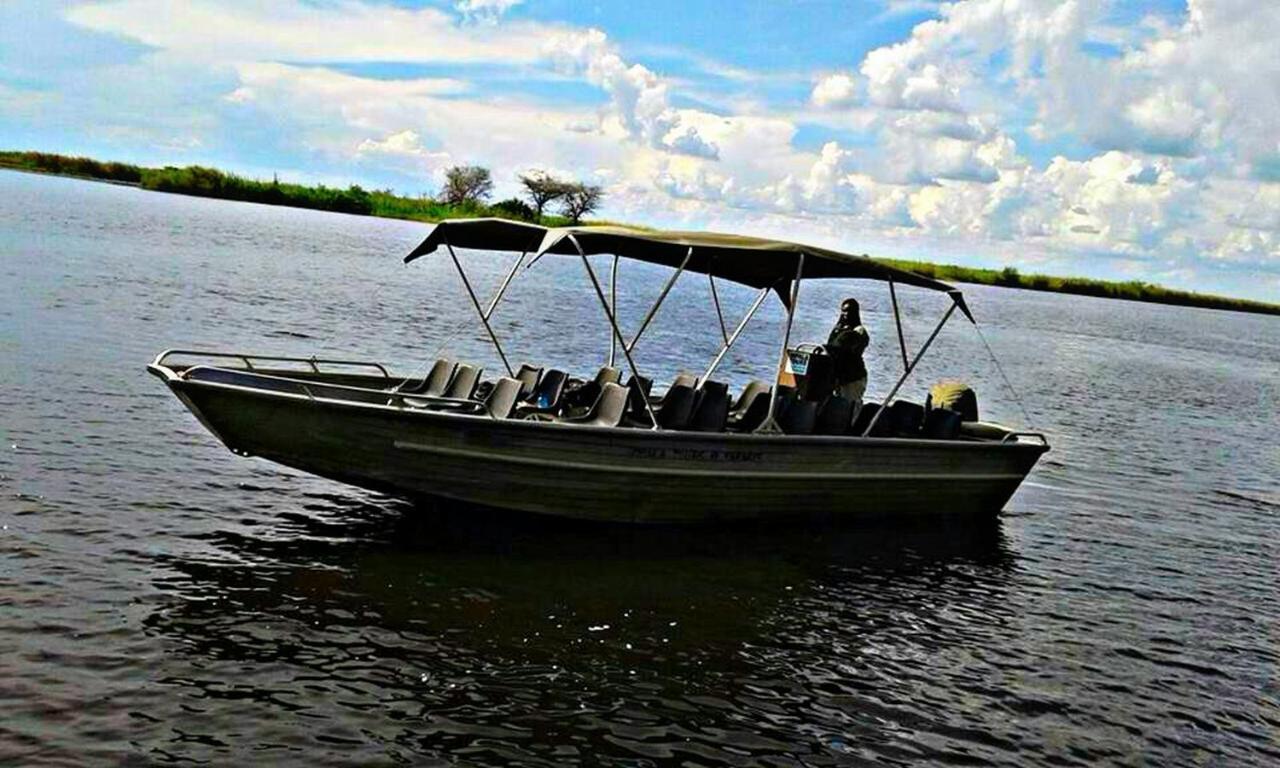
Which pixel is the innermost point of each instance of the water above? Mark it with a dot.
(163, 601)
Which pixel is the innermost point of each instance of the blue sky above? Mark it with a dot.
(1132, 140)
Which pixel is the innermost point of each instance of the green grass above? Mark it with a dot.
(1134, 290)
(209, 182)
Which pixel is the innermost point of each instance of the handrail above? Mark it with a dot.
(246, 358)
(1015, 435)
(327, 391)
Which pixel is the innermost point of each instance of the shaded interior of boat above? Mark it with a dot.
(605, 400)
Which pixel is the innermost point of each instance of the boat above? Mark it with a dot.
(607, 449)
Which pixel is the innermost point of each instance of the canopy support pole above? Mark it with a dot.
(770, 424)
(502, 289)
(617, 333)
(613, 303)
(897, 320)
(729, 342)
(907, 372)
(476, 302)
(654, 309)
(715, 299)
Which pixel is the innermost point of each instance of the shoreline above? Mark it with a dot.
(207, 182)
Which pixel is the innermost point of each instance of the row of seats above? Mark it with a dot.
(552, 395)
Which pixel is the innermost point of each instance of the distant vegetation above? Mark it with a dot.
(467, 190)
(1134, 290)
(465, 195)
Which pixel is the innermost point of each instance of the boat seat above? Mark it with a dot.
(748, 394)
(685, 379)
(463, 384)
(907, 418)
(941, 424)
(676, 407)
(797, 417)
(502, 398)
(866, 413)
(752, 413)
(546, 396)
(528, 376)
(711, 412)
(585, 394)
(438, 379)
(834, 416)
(636, 385)
(607, 410)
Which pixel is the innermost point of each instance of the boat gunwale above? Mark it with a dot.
(176, 381)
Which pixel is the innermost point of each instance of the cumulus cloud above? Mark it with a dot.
(638, 96)
(837, 90)
(945, 137)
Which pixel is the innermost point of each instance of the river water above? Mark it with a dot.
(163, 601)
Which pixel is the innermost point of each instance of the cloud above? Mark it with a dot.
(638, 96)
(485, 11)
(295, 31)
(406, 143)
(835, 90)
(946, 138)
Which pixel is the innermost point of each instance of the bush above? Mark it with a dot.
(515, 208)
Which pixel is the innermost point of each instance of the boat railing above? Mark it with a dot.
(1013, 437)
(312, 362)
(314, 390)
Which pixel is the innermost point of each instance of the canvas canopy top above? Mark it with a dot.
(753, 261)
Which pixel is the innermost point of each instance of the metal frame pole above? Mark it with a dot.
(770, 424)
(724, 348)
(617, 332)
(715, 299)
(502, 289)
(613, 304)
(654, 309)
(897, 319)
(907, 372)
(476, 301)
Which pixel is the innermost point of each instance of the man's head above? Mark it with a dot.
(849, 312)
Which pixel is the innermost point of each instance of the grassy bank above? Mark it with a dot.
(209, 182)
(1134, 290)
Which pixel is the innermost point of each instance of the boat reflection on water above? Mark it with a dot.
(544, 636)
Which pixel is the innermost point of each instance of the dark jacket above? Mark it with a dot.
(845, 346)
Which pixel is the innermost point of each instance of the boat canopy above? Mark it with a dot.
(753, 261)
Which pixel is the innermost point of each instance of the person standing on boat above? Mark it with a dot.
(848, 340)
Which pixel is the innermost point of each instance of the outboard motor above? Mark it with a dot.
(955, 396)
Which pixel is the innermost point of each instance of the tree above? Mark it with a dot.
(466, 184)
(543, 188)
(580, 200)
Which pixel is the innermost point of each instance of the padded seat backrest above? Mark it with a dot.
(866, 413)
(677, 407)
(798, 417)
(748, 394)
(610, 407)
(547, 393)
(685, 379)
(502, 398)
(907, 418)
(608, 375)
(712, 408)
(752, 414)
(528, 376)
(834, 416)
(635, 400)
(463, 384)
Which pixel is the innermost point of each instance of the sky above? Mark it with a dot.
(1119, 140)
